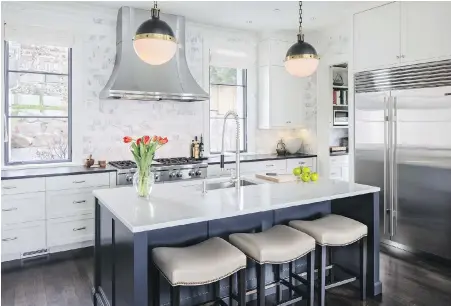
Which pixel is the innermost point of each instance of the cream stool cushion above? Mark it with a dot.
(333, 230)
(276, 245)
(203, 263)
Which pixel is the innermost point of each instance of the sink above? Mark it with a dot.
(228, 184)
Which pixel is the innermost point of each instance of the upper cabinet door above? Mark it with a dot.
(377, 37)
(425, 30)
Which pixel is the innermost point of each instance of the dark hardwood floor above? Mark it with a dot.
(407, 281)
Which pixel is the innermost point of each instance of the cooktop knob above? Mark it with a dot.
(191, 173)
(198, 172)
(171, 175)
(179, 174)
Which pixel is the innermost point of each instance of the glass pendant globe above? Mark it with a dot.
(301, 67)
(155, 51)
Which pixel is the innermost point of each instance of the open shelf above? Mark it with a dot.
(340, 87)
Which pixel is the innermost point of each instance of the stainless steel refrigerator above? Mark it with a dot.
(403, 145)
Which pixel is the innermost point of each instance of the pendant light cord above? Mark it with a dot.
(155, 11)
(300, 35)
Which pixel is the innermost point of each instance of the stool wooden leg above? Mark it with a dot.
(322, 277)
(175, 295)
(217, 290)
(331, 262)
(260, 284)
(231, 289)
(277, 269)
(311, 277)
(290, 279)
(156, 290)
(363, 267)
(242, 287)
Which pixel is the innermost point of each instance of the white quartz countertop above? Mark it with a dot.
(175, 204)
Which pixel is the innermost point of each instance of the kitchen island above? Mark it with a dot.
(127, 228)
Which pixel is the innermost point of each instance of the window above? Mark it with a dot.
(37, 104)
(227, 92)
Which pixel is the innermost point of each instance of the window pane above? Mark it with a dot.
(38, 139)
(230, 76)
(38, 58)
(229, 137)
(225, 98)
(37, 94)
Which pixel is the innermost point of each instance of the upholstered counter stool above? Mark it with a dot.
(205, 263)
(276, 246)
(336, 231)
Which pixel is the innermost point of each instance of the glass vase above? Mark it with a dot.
(143, 181)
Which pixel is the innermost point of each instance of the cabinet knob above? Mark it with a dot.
(403, 56)
(397, 56)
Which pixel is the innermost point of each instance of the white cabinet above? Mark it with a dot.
(339, 167)
(426, 29)
(377, 37)
(49, 214)
(23, 241)
(280, 98)
(66, 231)
(301, 162)
(77, 181)
(401, 33)
(263, 166)
(24, 207)
(23, 185)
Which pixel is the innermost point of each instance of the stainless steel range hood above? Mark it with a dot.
(133, 79)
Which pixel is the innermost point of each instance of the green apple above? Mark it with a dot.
(305, 177)
(305, 170)
(314, 176)
(297, 171)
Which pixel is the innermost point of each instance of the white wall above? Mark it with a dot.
(98, 126)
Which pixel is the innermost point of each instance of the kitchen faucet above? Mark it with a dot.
(237, 174)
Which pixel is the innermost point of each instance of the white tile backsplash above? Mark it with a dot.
(102, 124)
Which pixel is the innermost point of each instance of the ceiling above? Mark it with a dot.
(255, 15)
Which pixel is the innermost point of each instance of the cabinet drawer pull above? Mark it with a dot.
(79, 229)
(9, 239)
(79, 202)
(9, 187)
(270, 165)
(288, 121)
(10, 209)
(301, 163)
(78, 182)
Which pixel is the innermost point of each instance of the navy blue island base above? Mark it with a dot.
(125, 276)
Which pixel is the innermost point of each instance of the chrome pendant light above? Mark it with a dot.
(301, 59)
(154, 41)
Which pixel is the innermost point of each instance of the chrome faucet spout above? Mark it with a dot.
(237, 149)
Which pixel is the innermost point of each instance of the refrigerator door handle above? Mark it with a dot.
(395, 166)
(391, 167)
(386, 137)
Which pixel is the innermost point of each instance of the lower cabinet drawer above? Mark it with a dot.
(335, 173)
(300, 162)
(23, 207)
(23, 241)
(66, 231)
(66, 203)
(264, 166)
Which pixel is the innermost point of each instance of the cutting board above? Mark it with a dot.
(279, 178)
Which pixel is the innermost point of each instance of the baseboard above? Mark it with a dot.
(16, 264)
(406, 253)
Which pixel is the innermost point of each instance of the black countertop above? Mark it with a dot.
(257, 157)
(52, 171)
(11, 174)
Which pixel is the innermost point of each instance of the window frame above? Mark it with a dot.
(7, 116)
(244, 118)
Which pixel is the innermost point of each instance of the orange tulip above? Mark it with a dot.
(154, 138)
